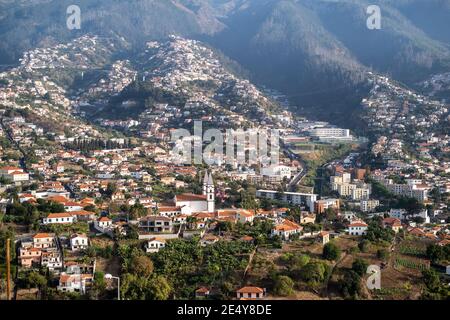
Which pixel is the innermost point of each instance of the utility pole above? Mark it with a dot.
(8, 269)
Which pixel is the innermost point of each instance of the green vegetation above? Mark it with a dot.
(294, 261)
(6, 233)
(435, 289)
(383, 254)
(412, 251)
(323, 153)
(185, 264)
(96, 144)
(331, 251)
(438, 253)
(284, 286)
(350, 285)
(364, 245)
(315, 274)
(411, 264)
(360, 266)
(377, 234)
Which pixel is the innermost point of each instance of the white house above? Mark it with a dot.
(296, 198)
(103, 223)
(167, 211)
(43, 240)
(78, 242)
(71, 206)
(181, 219)
(357, 228)
(401, 214)
(286, 229)
(52, 260)
(154, 244)
(397, 213)
(14, 174)
(250, 293)
(244, 216)
(18, 176)
(208, 240)
(278, 171)
(74, 282)
(58, 218)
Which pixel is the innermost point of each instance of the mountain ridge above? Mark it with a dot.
(316, 52)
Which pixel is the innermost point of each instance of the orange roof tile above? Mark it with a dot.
(250, 290)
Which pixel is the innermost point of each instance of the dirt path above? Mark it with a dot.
(328, 290)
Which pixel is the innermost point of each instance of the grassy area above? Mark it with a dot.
(321, 154)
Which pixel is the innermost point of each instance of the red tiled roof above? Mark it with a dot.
(250, 290)
(59, 215)
(169, 209)
(9, 168)
(60, 199)
(81, 213)
(18, 172)
(392, 222)
(190, 197)
(42, 235)
(288, 225)
(358, 224)
(202, 290)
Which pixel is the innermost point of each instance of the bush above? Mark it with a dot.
(383, 254)
(350, 285)
(142, 266)
(360, 266)
(364, 245)
(284, 286)
(315, 273)
(438, 253)
(331, 251)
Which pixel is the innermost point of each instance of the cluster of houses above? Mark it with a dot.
(46, 250)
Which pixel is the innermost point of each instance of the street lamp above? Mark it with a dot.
(109, 277)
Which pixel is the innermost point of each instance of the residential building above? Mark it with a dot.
(321, 205)
(286, 229)
(78, 242)
(74, 282)
(58, 218)
(369, 205)
(392, 223)
(296, 198)
(154, 245)
(156, 224)
(357, 228)
(250, 293)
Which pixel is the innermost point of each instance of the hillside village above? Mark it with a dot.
(89, 198)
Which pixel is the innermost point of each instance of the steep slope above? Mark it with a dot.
(315, 51)
(39, 23)
(431, 16)
(39, 88)
(285, 46)
(188, 74)
(399, 48)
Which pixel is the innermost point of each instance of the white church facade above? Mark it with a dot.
(191, 203)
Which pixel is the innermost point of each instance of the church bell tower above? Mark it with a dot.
(208, 191)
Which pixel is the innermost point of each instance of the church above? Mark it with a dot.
(191, 203)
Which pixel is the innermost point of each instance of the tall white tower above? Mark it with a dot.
(208, 191)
